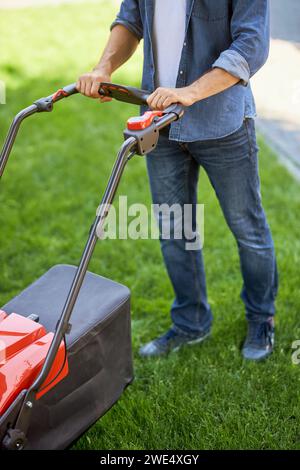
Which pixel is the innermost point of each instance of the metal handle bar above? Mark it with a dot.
(43, 104)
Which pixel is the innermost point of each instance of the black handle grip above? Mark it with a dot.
(127, 94)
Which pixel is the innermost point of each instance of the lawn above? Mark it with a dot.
(205, 397)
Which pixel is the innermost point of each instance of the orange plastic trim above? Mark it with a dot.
(142, 122)
(2, 315)
(23, 347)
(58, 94)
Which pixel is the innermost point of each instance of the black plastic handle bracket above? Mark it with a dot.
(146, 139)
(44, 105)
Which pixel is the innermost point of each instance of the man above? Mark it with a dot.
(202, 54)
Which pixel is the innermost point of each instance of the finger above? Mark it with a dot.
(95, 89)
(83, 87)
(105, 99)
(167, 102)
(155, 102)
(160, 102)
(80, 88)
(78, 85)
(151, 98)
(88, 87)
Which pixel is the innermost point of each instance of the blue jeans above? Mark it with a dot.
(232, 167)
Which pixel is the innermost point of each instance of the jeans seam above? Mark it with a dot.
(198, 290)
(248, 138)
(252, 162)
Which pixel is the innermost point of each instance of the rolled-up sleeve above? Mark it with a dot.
(250, 30)
(130, 17)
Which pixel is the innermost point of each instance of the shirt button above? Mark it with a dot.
(184, 44)
(181, 72)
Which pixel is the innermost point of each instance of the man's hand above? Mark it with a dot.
(120, 47)
(162, 98)
(211, 83)
(88, 84)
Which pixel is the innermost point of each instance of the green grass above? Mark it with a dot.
(204, 397)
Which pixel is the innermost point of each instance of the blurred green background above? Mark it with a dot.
(203, 397)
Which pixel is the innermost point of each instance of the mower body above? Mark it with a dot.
(87, 378)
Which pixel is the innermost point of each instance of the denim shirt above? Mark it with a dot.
(233, 35)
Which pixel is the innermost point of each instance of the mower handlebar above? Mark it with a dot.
(122, 93)
(126, 94)
(119, 92)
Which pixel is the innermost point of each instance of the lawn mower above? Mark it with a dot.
(58, 377)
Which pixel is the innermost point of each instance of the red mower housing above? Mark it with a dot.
(24, 344)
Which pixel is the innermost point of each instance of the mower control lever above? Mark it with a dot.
(145, 129)
(142, 122)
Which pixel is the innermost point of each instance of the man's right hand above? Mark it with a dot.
(88, 84)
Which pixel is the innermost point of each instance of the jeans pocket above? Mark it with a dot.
(211, 10)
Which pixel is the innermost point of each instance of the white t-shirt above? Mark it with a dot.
(168, 37)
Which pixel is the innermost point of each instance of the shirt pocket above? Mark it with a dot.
(211, 10)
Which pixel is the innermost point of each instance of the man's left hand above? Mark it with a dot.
(162, 98)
